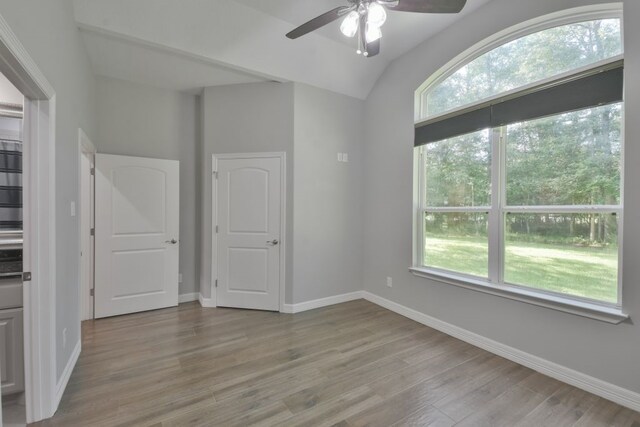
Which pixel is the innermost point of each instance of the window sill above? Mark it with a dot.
(568, 305)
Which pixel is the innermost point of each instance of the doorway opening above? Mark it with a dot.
(42, 387)
(12, 375)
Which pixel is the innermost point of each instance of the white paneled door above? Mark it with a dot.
(137, 225)
(249, 209)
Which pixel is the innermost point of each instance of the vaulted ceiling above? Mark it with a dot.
(190, 44)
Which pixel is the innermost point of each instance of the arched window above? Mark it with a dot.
(519, 158)
(523, 61)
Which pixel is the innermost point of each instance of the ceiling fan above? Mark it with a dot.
(365, 18)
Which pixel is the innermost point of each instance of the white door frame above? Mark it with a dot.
(85, 148)
(283, 216)
(39, 250)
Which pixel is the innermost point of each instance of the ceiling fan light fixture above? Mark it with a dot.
(349, 26)
(376, 14)
(372, 33)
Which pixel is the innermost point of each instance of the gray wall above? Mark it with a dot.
(51, 38)
(9, 93)
(605, 351)
(327, 217)
(245, 118)
(143, 121)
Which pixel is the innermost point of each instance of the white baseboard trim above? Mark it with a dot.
(182, 298)
(66, 374)
(206, 302)
(321, 302)
(577, 379)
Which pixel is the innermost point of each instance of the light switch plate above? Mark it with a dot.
(73, 208)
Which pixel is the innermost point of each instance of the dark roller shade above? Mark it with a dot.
(591, 89)
(465, 123)
(599, 89)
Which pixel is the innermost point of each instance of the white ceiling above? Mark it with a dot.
(190, 44)
(141, 63)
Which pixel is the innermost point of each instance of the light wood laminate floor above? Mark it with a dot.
(352, 364)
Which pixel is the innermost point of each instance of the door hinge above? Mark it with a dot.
(216, 229)
(93, 171)
(92, 292)
(215, 174)
(26, 276)
(216, 283)
(92, 232)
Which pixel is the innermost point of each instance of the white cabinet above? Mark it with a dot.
(11, 351)
(11, 292)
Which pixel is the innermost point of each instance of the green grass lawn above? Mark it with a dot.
(581, 271)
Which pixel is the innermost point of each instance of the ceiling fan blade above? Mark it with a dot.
(373, 48)
(429, 6)
(320, 21)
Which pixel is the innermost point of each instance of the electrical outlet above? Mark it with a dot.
(340, 157)
(345, 157)
(389, 282)
(64, 338)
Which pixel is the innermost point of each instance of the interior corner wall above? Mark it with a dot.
(245, 118)
(199, 165)
(49, 34)
(144, 121)
(328, 196)
(601, 350)
(324, 196)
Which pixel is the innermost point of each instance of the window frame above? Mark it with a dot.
(494, 283)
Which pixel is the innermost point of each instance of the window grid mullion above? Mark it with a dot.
(474, 209)
(422, 179)
(577, 209)
(503, 199)
(622, 193)
(496, 223)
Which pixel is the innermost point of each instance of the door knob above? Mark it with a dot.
(172, 241)
(273, 242)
